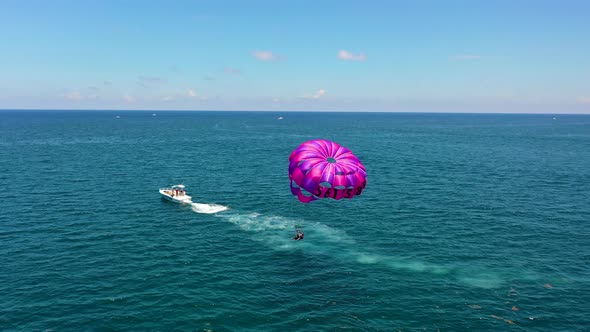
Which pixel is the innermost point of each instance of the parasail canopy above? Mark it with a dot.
(324, 169)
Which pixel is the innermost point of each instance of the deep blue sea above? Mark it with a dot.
(469, 222)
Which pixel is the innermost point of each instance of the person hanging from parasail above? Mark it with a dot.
(324, 169)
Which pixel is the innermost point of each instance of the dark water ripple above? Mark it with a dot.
(468, 223)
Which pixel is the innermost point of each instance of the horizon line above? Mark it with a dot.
(275, 111)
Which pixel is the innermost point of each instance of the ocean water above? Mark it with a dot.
(468, 223)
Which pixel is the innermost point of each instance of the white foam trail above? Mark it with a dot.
(332, 235)
(207, 208)
(276, 232)
(482, 279)
(255, 222)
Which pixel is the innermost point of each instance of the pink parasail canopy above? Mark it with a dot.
(324, 169)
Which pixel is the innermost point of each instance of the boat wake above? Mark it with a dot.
(208, 208)
(272, 230)
(276, 232)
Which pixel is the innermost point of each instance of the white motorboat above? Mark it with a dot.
(176, 194)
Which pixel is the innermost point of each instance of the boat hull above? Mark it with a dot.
(178, 199)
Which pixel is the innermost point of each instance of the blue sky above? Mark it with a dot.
(406, 56)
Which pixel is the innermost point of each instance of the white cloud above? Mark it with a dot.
(348, 56)
(129, 98)
(467, 57)
(319, 94)
(74, 95)
(583, 100)
(265, 56)
(192, 94)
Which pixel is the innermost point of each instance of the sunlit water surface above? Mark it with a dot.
(468, 222)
